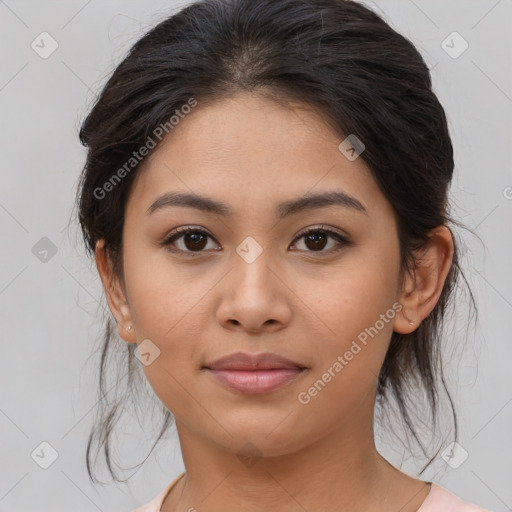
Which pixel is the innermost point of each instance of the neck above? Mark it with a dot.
(341, 471)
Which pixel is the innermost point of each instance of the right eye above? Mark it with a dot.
(192, 240)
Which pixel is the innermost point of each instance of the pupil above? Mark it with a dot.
(196, 240)
(315, 238)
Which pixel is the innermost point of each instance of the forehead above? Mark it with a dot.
(249, 150)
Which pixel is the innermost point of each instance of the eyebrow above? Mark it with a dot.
(284, 209)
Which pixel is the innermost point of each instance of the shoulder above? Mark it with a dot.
(155, 504)
(442, 500)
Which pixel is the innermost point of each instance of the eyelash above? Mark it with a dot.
(180, 232)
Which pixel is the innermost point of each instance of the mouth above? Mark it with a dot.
(254, 374)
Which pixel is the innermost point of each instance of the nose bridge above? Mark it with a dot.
(250, 249)
(253, 264)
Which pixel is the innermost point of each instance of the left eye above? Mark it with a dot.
(315, 239)
(195, 240)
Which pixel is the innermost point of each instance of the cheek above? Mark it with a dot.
(357, 313)
(172, 309)
(355, 296)
(161, 295)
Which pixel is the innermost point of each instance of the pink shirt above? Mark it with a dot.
(438, 499)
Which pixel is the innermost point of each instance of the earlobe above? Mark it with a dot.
(424, 284)
(114, 294)
(405, 321)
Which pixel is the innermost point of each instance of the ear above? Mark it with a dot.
(114, 294)
(423, 285)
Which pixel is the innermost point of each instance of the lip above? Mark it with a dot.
(255, 373)
(244, 361)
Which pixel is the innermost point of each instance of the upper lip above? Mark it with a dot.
(243, 361)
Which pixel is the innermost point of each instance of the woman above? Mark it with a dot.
(266, 197)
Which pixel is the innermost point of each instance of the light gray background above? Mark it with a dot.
(49, 310)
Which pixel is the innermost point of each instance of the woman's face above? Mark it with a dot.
(249, 281)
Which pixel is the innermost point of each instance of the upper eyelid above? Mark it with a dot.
(322, 227)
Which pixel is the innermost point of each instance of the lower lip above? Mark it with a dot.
(256, 381)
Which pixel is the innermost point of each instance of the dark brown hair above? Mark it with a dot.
(337, 56)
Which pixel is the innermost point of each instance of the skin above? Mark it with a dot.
(304, 304)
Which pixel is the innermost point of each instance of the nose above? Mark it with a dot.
(255, 297)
